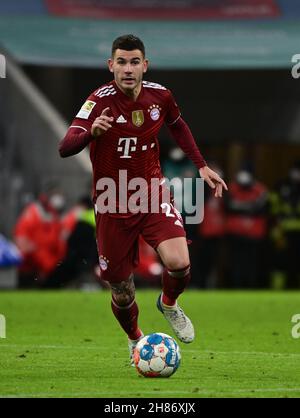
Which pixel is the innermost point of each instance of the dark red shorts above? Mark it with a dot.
(118, 239)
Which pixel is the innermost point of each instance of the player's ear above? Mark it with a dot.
(110, 65)
(146, 64)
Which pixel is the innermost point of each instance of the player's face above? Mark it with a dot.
(128, 68)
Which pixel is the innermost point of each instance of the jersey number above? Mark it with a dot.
(169, 207)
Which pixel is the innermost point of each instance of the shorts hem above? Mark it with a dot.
(166, 238)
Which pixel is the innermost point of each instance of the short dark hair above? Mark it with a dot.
(128, 43)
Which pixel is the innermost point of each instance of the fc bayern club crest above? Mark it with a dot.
(103, 262)
(154, 111)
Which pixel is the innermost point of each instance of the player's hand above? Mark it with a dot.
(213, 180)
(102, 123)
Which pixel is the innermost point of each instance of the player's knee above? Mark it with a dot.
(122, 299)
(177, 263)
(123, 293)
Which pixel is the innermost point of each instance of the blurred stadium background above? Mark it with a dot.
(228, 63)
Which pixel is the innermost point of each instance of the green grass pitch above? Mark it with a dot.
(68, 344)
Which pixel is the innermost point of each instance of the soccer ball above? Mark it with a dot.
(157, 355)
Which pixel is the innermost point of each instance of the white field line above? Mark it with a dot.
(244, 353)
(85, 346)
(163, 392)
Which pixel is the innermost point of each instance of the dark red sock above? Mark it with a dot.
(127, 317)
(174, 283)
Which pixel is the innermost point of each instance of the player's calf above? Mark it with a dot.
(123, 293)
(174, 283)
(125, 308)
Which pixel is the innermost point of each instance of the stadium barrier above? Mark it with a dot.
(31, 129)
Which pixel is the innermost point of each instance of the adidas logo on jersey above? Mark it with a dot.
(121, 119)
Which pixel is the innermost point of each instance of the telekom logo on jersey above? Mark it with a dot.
(139, 196)
(125, 146)
(128, 145)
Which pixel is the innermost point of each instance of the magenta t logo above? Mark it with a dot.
(127, 148)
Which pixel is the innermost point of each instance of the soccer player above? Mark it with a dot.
(120, 122)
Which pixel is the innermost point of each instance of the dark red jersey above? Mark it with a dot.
(131, 144)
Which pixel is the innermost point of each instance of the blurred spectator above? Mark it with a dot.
(81, 257)
(39, 236)
(9, 253)
(71, 218)
(285, 204)
(246, 227)
(10, 258)
(211, 238)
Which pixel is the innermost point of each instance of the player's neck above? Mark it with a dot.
(132, 94)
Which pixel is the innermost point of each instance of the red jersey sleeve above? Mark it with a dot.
(173, 112)
(88, 112)
(185, 140)
(79, 134)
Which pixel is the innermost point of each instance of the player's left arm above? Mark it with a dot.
(185, 140)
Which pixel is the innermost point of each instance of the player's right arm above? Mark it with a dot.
(90, 123)
(102, 123)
